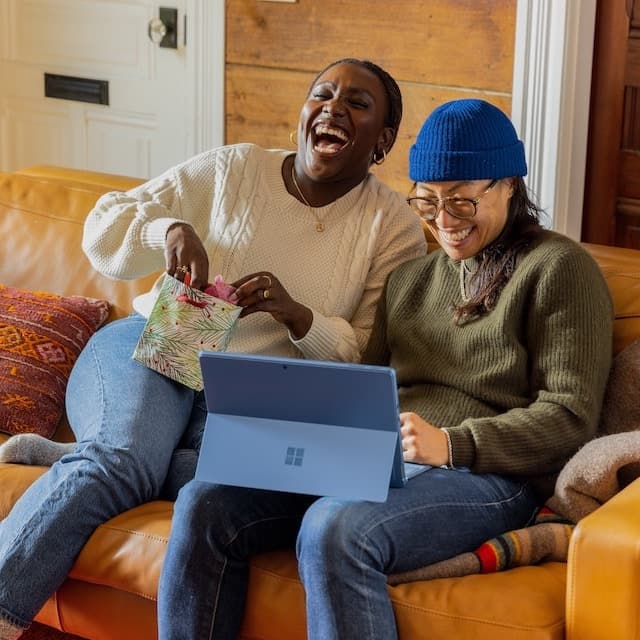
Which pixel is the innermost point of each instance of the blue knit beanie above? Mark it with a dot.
(466, 140)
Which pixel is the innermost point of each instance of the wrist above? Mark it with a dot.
(177, 224)
(300, 322)
(449, 462)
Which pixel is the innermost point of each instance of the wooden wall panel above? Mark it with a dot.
(437, 50)
(263, 107)
(463, 43)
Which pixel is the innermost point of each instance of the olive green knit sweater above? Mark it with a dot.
(519, 390)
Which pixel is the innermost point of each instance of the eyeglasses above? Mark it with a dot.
(462, 208)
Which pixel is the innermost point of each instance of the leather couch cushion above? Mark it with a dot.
(44, 219)
(620, 269)
(523, 603)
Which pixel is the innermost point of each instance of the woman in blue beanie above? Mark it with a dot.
(499, 342)
(500, 350)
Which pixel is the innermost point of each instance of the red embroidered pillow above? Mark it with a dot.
(41, 336)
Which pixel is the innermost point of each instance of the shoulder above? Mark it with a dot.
(391, 208)
(385, 194)
(553, 251)
(226, 165)
(244, 152)
(559, 267)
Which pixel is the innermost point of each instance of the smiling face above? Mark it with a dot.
(342, 124)
(463, 239)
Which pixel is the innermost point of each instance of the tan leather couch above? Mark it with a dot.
(111, 591)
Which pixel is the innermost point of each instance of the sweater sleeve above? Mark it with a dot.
(568, 338)
(124, 234)
(334, 338)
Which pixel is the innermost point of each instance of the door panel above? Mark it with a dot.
(81, 34)
(32, 126)
(147, 125)
(612, 185)
(123, 141)
(627, 218)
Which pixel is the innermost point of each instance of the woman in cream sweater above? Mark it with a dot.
(308, 239)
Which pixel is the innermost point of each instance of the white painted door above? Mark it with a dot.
(151, 120)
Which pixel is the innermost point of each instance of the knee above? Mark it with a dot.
(195, 505)
(328, 534)
(121, 471)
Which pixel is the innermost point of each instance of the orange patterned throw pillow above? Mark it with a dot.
(41, 336)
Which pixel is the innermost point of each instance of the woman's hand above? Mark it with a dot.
(422, 442)
(264, 292)
(184, 252)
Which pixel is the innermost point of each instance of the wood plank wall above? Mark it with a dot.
(437, 50)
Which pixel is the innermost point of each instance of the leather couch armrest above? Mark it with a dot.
(603, 580)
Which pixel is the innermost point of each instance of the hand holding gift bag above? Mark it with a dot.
(183, 322)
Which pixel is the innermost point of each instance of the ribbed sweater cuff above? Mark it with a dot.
(320, 342)
(154, 233)
(462, 449)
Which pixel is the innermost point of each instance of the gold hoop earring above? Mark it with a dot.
(376, 158)
(293, 138)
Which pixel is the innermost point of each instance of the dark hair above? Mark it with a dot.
(393, 115)
(499, 260)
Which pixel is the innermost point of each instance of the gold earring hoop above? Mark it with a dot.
(293, 138)
(377, 159)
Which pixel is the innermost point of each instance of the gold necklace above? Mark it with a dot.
(319, 224)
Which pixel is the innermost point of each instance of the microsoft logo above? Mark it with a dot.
(294, 456)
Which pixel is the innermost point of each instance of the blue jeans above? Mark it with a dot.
(127, 420)
(345, 549)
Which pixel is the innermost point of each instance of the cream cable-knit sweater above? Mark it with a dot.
(235, 199)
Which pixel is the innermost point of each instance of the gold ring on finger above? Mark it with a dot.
(266, 294)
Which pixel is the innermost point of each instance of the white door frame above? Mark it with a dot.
(206, 39)
(550, 102)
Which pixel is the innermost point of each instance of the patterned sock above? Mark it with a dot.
(9, 631)
(30, 448)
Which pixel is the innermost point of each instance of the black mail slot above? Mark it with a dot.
(81, 89)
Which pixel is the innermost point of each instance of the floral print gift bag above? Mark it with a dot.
(183, 322)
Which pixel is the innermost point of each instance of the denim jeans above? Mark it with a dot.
(127, 420)
(345, 549)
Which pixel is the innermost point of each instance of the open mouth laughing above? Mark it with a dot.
(329, 139)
